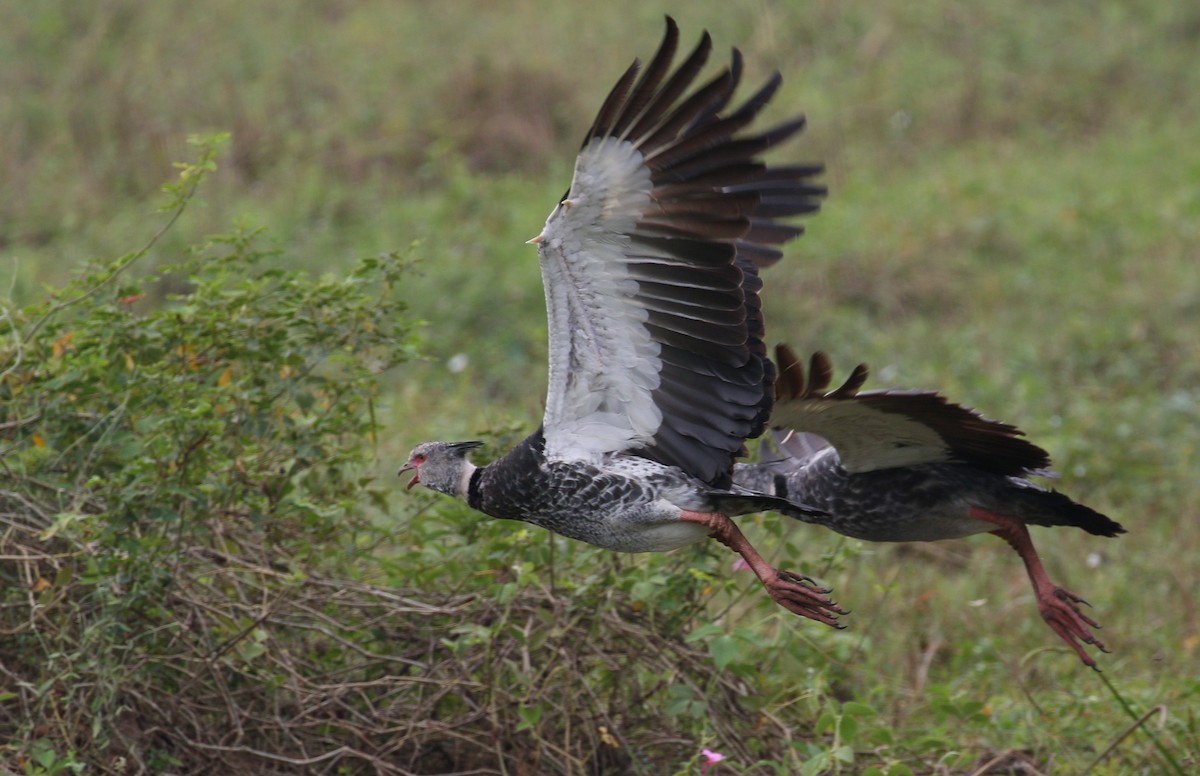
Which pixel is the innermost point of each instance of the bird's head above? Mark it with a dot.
(441, 466)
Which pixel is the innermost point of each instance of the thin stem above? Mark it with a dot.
(1137, 722)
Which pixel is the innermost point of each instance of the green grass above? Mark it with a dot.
(1013, 219)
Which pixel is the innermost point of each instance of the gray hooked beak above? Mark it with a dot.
(410, 467)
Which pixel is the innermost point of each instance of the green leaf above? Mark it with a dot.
(856, 709)
(724, 649)
(816, 765)
(683, 701)
(847, 729)
(703, 632)
(530, 716)
(43, 752)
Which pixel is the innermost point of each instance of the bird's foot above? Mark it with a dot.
(1060, 609)
(801, 595)
(796, 593)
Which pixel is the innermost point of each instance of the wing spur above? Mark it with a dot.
(650, 265)
(885, 429)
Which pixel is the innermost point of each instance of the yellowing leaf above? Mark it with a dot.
(226, 377)
(38, 442)
(41, 584)
(129, 362)
(61, 344)
(188, 354)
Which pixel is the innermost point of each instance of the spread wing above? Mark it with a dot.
(891, 428)
(650, 266)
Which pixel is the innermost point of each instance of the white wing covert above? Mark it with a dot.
(650, 266)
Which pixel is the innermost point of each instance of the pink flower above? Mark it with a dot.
(711, 758)
(740, 565)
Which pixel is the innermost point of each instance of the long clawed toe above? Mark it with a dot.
(1071, 600)
(1062, 613)
(1058, 607)
(801, 595)
(805, 580)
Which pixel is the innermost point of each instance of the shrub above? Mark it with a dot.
(176, 479)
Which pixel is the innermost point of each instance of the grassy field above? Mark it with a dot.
(1013, 219)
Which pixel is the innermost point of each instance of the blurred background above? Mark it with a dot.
(1013, 219)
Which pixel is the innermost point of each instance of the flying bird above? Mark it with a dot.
(902, 466)
(658, 373)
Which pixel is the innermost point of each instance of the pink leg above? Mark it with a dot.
(798, 594)
(1058, 607)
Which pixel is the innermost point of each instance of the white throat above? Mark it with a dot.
(464, 485)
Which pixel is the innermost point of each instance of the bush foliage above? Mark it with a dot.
(178, 480)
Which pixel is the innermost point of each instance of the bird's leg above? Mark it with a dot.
(1058, 607)
(798, 594)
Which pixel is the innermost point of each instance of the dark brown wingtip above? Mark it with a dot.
(613, 103)
(735, 67)
(643, 92)
(849, 389)
(652, 98)
(820, 374)
(626, 100)
(789, 383)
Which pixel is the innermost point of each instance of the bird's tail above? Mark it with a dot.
(1051, 508)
